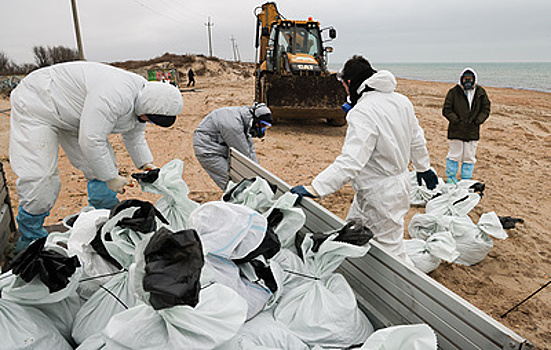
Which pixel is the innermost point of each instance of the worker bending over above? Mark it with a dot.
(229, 127)
(78, 105)
(383, 136)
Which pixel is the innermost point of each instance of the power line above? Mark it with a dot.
(188, 10)
(157, 12)
(181, 12)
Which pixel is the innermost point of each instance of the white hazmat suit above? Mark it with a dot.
(78, 105)
(383, 136)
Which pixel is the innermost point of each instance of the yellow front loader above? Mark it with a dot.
(291, 75)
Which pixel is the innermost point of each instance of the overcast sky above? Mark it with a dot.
(384, 31)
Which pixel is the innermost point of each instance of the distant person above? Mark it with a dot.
(78, 105)
(382, 138)
(190, 77)
(466, 107)
(229, 127)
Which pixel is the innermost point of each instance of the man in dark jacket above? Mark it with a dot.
(229, 127)
(190, 77)
(466, 107)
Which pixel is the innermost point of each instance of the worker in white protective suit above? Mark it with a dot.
(229, 127)
(383, 136)
(78, 105)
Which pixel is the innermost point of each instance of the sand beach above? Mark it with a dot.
(514, 162)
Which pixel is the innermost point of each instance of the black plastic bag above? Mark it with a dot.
(353, 232)
(173, 268)
(143, 219)
(149, 176)
(100, 248)
(269, 247)
(53, 268)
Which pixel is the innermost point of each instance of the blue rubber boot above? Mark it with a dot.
(451, 170)
(100, 196)
(467, 171)
(31, 228)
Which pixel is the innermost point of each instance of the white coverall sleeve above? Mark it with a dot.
(96, 123)
(360, 141)
(136, 145)
(419, 153)
(234, 136)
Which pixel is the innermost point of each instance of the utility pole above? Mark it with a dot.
(209, 24)
(77, 30)
(235, 49)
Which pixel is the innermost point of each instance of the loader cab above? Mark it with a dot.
(295, 48)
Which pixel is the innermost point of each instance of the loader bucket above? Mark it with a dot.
(303, 97)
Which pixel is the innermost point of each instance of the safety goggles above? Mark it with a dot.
(265, 125)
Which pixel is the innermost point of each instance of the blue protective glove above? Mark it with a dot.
(346, 107)
(430, 179)
(302, 192)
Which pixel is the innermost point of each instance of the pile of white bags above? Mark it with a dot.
(447, 233)
(222, 275)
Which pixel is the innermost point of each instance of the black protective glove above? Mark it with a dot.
(430, 179)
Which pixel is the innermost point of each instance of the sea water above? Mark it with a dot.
(525, 75)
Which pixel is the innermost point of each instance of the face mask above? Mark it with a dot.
(468, 82)
(258, 129)
(161, 120)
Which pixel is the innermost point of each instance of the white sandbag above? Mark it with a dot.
(217, 318)
(254, 193)
(419, 195)
(474, 242)
(60, 306)
(115, 296)
(292, 221)
(122, 243)
(264, 332)
(175, 204)
(422, 226)
(214, 320)
(25, 327)
(223, 228)
(454, 201)
(83, 231)
(315, 303)
(427, 254)
(94, 342)
(230, 231)
(410, 337)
